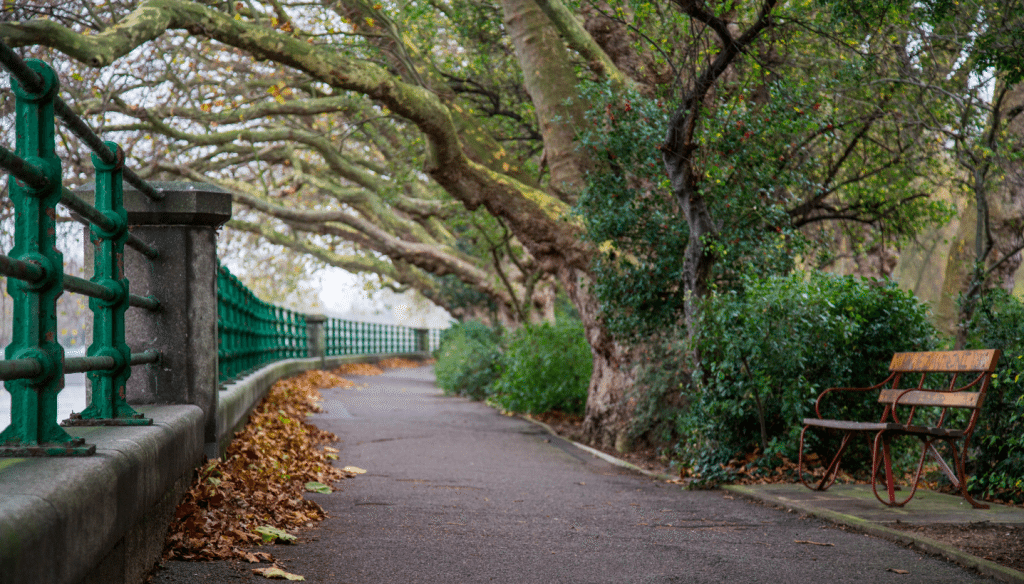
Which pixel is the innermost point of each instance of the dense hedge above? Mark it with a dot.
(998, 323)
(765, 353)
(534, 369)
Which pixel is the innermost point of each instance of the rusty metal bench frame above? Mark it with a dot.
(970, 396)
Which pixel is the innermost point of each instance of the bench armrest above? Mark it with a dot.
(817, 402)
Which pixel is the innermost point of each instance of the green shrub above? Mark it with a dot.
(766, 352)
(468, 359)
(998, 323)
(546, 367)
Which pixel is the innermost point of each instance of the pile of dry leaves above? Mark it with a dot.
(256, 491)
(378, 369)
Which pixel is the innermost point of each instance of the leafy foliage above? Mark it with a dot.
(546, 367)
(767, 351)
(776, 169)
(630, 213)
(997, 324)
(468, 359)
(535, 369)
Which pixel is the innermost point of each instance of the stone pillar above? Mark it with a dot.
(316, 338)
(183, 227)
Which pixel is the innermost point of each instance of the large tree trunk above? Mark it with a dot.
(987, 250)
(609, 410)
(551, 82)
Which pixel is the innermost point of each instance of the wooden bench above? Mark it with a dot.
(901, 401)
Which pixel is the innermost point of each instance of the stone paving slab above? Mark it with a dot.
(856, 507)
(925, 508)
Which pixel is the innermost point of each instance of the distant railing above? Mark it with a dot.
(349, 337)
(34, 365)
(253, 333)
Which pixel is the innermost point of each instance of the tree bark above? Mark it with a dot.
(551, 82)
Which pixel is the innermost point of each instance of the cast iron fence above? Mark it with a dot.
(254, 333)
(251, 332)
(34, 365)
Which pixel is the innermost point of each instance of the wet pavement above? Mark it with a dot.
(456, 492)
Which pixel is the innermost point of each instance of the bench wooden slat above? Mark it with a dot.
(945, 361)
(888, 426)
(931, 431)
(941, 399)
(854, 426)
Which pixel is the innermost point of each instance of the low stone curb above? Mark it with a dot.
(925, 544)
(603, 456)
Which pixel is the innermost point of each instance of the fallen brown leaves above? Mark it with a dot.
(378, 369)
(261, 480)
(750, 469)
(400, 363)
(358, 369)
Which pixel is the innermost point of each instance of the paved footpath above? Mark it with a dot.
(457, 492)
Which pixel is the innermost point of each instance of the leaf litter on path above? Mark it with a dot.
(262, 479)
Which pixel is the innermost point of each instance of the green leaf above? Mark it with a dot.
(315, 487)
(272, 534)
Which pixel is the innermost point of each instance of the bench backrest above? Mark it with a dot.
(945, 361)
(982, 363)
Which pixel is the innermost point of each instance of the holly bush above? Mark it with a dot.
(767, 350)
(998, 323)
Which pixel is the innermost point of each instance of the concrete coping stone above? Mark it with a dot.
(61, 517)
(184, 203)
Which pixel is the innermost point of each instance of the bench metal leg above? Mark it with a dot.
(885, 439)
(959, 461)
(833, 468)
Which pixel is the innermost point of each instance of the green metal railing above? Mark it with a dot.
(34, 366)
(252, 332)
(345, 337)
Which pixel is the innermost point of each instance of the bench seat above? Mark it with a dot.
(879, 426)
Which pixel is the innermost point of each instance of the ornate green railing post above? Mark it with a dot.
(34, 428)
(108, 405)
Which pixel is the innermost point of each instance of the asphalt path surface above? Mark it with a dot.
(456, 492)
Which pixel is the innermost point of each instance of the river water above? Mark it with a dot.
(70, 399)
